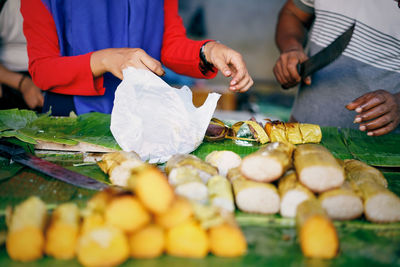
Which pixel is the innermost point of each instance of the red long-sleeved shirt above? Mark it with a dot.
(72, 75)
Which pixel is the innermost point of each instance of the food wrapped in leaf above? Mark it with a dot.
(268, 163)
(216, 130)
(342, 203)
(293, 133)
(187, 240)
(204, 169)
(252, 196)
(292, 193)
(103, 246)
(187, 182)
(147, 243)
(227, 240)
(317, 168)
(62, 234)
(179, 212)
(276, 131)
(224, 160)
(151, 186)
(311, 133)
(317, 235)
(119, 165)
(220, 193)
(380, 204)
(25, 237)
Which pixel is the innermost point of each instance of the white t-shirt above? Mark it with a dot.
(13, 54)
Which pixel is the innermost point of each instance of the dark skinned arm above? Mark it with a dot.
(290, 35)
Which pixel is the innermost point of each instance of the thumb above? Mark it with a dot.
(307, 80)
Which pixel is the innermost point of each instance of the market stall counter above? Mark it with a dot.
(272, 239)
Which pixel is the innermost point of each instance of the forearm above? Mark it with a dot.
(10, 78)
(48, 68)
(291, 30)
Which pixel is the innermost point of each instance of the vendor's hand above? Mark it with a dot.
(378, 112)
(31, 93)
(114, 60)
(285, 68)
(230, 63)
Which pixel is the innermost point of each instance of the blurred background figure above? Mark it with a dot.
(16, 87)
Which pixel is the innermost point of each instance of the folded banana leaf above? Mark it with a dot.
(93, 128)
(383, 151)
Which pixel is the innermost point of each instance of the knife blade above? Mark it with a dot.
(18, 154)
(326, 55)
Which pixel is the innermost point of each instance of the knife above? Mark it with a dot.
(326, 55)
(18, 154)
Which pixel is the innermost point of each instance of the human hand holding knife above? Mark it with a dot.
(288, 75)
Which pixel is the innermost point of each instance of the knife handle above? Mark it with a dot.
(300, 69)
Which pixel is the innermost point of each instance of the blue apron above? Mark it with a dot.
(84, 26)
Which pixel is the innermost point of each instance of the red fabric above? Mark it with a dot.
(73, 76)
(49, 70)
(178, 52)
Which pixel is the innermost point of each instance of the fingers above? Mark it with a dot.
(152, 64)
(367, 101)
(379, 126)
(243, 85)
(383, 130)
(240, 68)
(372, 113)
(285, 69)
(241, 80)
(220, 64)
(379, 112)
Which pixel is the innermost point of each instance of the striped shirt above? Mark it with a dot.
(371, 61)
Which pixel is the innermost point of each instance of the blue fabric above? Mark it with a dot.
(84, 26)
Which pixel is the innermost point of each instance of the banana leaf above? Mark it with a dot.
(332, 140)
(8, 169)
(51, 129)
(383, 151)
(29, 182)
(242, 148)
(94, 128)
(13, 119)
(18, 135)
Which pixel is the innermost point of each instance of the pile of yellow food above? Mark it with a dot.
(144, 220)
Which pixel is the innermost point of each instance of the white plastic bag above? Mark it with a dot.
(156, 120)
